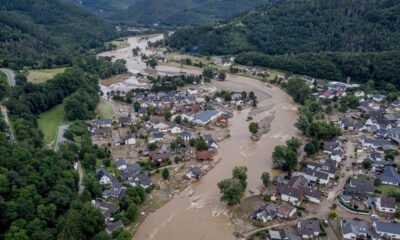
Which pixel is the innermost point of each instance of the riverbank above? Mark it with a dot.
(202, 215)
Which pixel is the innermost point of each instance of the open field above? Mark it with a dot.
(49, 122)
(41, 76)
(120, 43)
(105, 111)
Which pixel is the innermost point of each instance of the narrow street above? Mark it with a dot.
(60, 136)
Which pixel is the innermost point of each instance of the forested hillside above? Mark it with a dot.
(104, 8)
(168, 12)
(356, 38)
(41, 33)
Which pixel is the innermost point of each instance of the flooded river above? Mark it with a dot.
(202, 215)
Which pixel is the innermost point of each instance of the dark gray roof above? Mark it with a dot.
(391, 228)
(390, 175)
(308, 227)
(114, 226)
(359, 228)
(103, 121)
(120, 162)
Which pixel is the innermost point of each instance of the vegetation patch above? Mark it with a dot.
(49, 122)
(105, 111)
(43, 75)
(120, 43)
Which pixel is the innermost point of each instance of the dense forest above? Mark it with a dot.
(168, 12)
(344, 38)
(44, 33)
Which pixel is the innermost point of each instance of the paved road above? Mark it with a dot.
(81, 186)
(4, 112)
(60, 136)
(10, 75)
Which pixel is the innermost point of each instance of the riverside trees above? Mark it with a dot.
(232, 189)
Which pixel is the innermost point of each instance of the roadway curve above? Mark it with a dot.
(10, 76)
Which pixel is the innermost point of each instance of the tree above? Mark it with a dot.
(208, 74)
(333, 214)
(178, 119)
(232, 191)
(323, 130)
(279, 156)
(265, 179)
(152, 62)
(253, 128)
(303, 124)
(165, 173)
(201, 145)
(241, 174)
(152, 146)
(293, 143)
(132, 212)
(366, 164)
(168, 115)
(298, 89)
(310, 148)
(136, 106)
(221, 76)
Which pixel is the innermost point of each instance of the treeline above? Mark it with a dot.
(326, 39)
(46, 33)
(38, 196)
(360, 67)
(172, 83)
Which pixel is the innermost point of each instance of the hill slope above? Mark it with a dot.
(174, 12)
(45, 32)
(104, 8)
(319, 30)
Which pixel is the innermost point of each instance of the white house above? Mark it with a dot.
(104, 177)
(176, 130)
(130, 140)
(121, 164)
(162, 127)
(192, 91)
(352, 229)
(386, 204)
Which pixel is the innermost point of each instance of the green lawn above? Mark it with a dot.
(385, 189)
(49, 122)
(120, 43)
(105, 111)
(42, 75)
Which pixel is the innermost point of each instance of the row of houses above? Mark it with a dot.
(358, 229)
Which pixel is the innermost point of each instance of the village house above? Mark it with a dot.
(298, 189)
(102, 123)
(285, 211)
(265, 213)
(359, 188)
(210, 141)
(125, 121)
(354, 229)
(103, 176)
(156, 137)
(203, 118)
(194, 173)
(111, 227)
(186, 136)
(314, 176)
(121, 164)
(389, 176)
(192, 91)
(176, 129)
(386, 204)
(309, 228)
(159, 158)
(106, 208)
(130, 139)
(203, 155)
(386, 230)
(101, 132)
(117, 191)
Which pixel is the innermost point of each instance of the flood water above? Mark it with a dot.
(202, 216)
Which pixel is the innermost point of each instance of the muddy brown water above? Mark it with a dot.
(201, 215)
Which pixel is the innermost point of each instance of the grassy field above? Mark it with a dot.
(385, 189)
(120, 43)
(40, 76)
(49, 122)
(105, 111)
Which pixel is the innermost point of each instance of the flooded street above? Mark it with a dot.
(202, 215)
